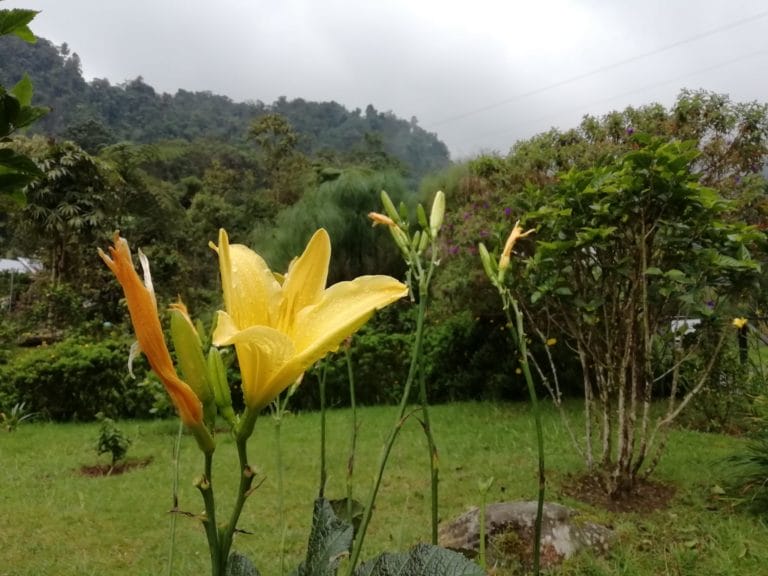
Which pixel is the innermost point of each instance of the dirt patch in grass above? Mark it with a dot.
(98, 470)
(647, 496)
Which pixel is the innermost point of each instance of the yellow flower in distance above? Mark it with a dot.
(739, 322)
(514, 236)
(280, 329)
(142, 307)
(381, 219)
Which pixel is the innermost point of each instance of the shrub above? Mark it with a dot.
(76, 379)
(112, 441)
(751, 466)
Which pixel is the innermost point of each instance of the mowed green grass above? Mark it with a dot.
(55, 521)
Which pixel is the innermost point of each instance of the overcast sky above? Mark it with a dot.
(481, 74)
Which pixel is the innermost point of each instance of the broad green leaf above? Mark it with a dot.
(9, 111)
(12, 161)
(653, 271)
(329, 541)
(15, 21)
(724, 261)
(23, 91)
(29, 114)
(342, 508)
(239, 565)
(421, 560)
(675, 275)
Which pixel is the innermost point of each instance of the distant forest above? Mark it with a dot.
(97, 113)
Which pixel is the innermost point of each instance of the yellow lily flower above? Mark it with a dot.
(142, 307)
(280, 329)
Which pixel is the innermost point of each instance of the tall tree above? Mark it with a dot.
(622, 250)
(69, 208)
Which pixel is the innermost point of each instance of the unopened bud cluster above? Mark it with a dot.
(412, 246)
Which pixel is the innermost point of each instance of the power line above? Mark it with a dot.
(621, 95)
(617, 64)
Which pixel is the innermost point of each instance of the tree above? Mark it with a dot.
(69, 208)
(341, 206)
(16, 111)
(285, 166)
(622, 250)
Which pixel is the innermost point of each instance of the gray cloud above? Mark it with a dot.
(460, 67)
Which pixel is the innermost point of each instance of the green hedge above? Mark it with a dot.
(77, 378)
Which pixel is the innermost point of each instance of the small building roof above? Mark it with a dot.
(20, 265)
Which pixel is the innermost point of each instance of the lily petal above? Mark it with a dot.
(261, 352)
(306, 278)
(343, 309)
(250, 289)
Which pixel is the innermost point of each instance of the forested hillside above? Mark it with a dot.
(98, 113)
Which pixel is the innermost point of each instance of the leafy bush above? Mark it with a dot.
(750, 468)
(76, 379)
(112, 441)
(464, 357)
(15, 416)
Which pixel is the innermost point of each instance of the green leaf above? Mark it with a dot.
(9, 111)
(724, 261)
(239, 565)
(341, 508)
(675, 275)
(15, 21)
(23, 91)
(421, 560)
(329, 540)
(30, 114)
(653, 271)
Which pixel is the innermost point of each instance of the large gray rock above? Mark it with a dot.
(509, 529)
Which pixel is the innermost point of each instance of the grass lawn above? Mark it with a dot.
(54, 521)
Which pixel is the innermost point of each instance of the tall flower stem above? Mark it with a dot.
(172, 547)
(519, 332)
(204, 484)
(353, 440)
(323, 423)
(390, 441)
(280, 487)
(226, 533)
(434, 464)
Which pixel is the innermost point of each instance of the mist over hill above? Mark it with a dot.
(98, 113)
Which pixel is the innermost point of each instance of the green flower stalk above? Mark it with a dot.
(496, 273)
(414, 250)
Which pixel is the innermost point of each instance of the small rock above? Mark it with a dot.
(509, 529)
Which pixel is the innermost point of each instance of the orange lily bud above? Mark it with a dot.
(142, 307)
(514, 236)
(381, 219)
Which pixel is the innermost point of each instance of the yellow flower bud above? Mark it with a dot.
(217, 376)
(485, 258)
(381, 219)
(739, 322)
(437, 214)
(389, 206)
(189, 353)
